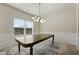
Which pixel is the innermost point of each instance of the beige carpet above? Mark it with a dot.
(43, 48)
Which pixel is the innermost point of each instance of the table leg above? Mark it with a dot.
(31, 50)
(18, 47)
(53, 39)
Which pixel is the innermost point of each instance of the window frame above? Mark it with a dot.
(23, 27)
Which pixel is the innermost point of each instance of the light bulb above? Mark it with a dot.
(34, 20)
(35, 17)
(38, 18)
(41, 20)
(44, 20)
(32, 17)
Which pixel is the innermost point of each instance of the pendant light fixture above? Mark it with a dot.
(39, 18)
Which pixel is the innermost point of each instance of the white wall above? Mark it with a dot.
(77, 30)
(7, 14)
(78, 26)
(62, 23)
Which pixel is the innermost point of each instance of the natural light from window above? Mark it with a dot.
(22, 26)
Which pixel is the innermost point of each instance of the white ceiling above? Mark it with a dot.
(46, 8)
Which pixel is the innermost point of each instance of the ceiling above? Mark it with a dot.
(46, 8)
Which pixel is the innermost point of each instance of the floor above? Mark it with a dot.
(43, 48)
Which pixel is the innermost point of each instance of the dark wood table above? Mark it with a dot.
(31, 40)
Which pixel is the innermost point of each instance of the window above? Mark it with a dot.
(28, 27)
(22, 26)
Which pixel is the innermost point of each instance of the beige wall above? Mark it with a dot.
(61, 20)
(6, 18)
(7, 14)
(77, 25)
(78, 19)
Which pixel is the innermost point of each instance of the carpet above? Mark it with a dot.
(44, 48)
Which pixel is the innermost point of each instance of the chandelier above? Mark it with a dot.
(39, 18)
